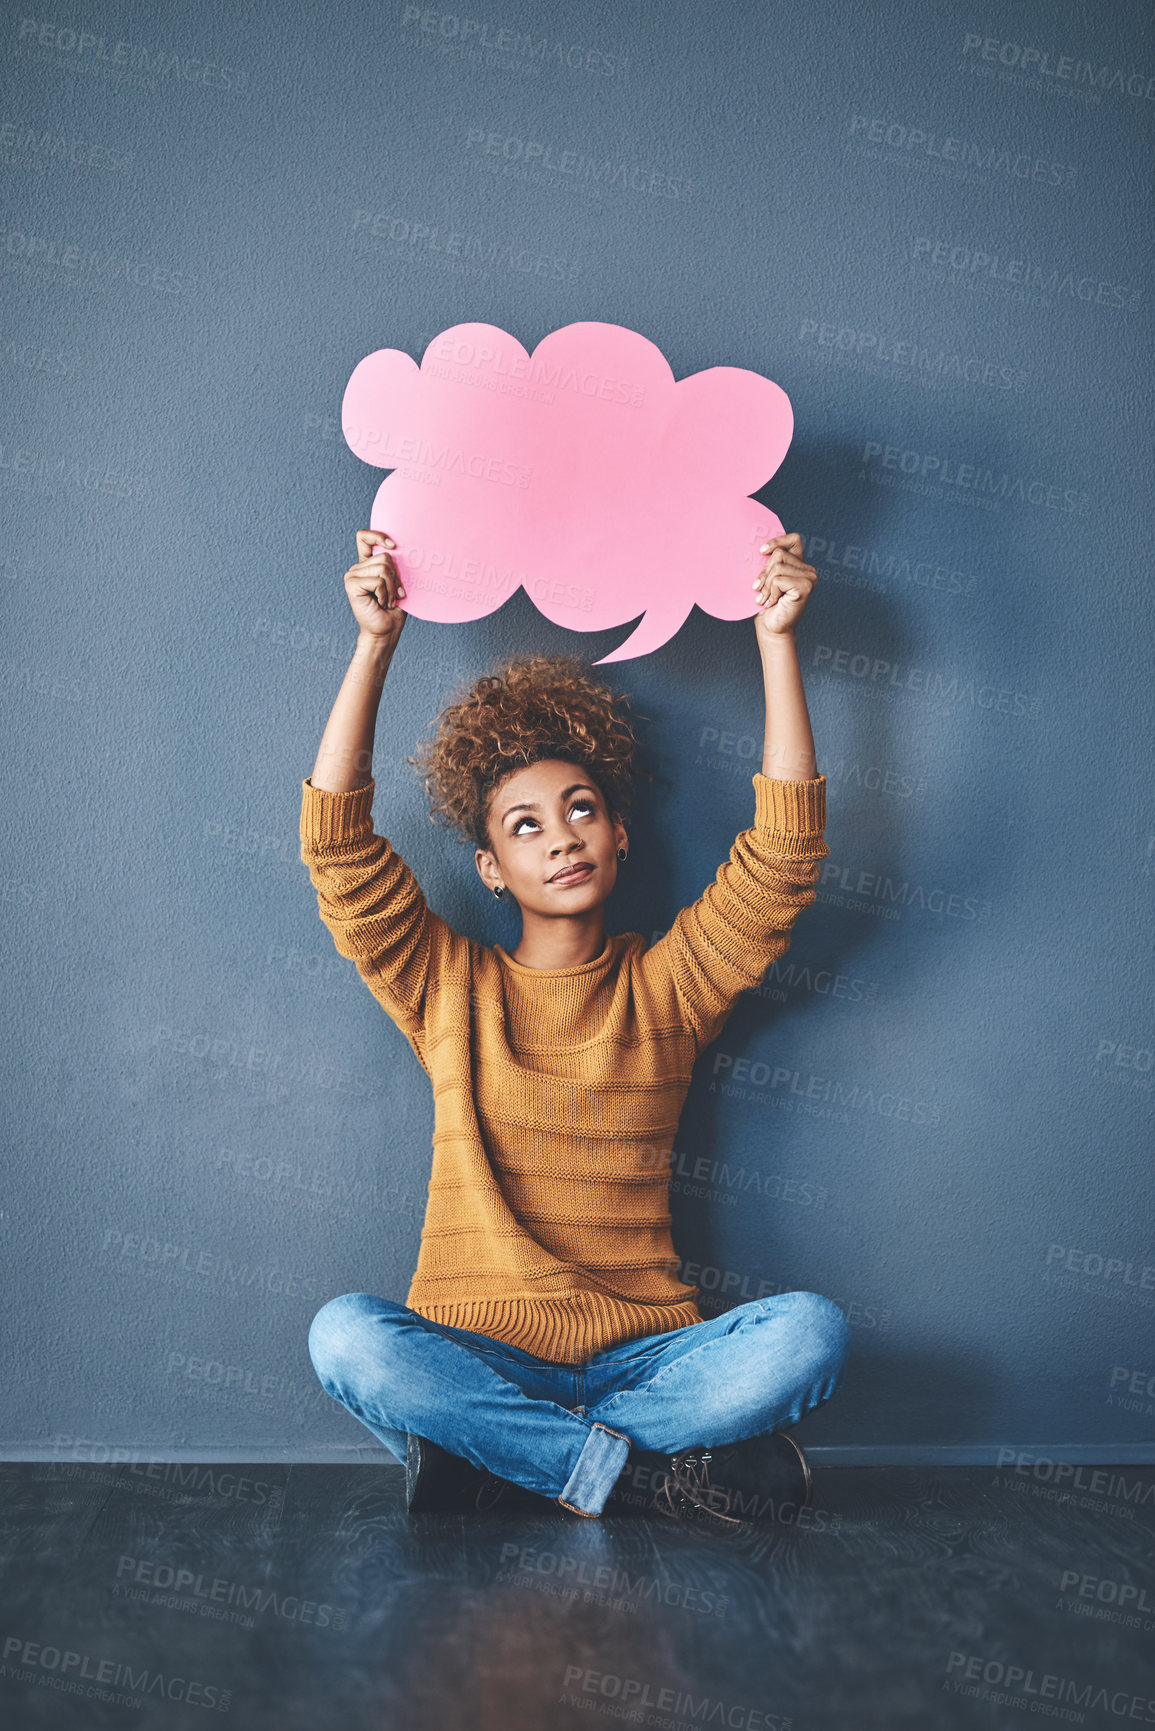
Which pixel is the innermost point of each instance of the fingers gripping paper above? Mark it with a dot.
(584, 473)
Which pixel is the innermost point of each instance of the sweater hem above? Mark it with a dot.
(560, 1330)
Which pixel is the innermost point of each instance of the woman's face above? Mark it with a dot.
(543, 818)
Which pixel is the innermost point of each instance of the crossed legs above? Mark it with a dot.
(756, 1368)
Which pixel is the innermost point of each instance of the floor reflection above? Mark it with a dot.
(306, 1597)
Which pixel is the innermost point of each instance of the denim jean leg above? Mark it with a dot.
(396, 1372)
(757, 1368)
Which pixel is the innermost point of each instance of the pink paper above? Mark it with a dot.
(584, 473)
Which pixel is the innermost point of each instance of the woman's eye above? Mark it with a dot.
(578, 805)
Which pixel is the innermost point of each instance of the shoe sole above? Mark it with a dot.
(807, 1481)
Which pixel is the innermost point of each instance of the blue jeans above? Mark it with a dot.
(550, 1427)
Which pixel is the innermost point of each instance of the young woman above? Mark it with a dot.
(546, 1340)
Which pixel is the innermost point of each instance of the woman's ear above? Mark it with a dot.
(488, 868)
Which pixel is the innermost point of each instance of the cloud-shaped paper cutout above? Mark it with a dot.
(584, 473)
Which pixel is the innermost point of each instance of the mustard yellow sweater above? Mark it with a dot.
(557, 1091)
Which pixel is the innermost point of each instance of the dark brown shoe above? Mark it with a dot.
(724, 1486)
(438, 1482)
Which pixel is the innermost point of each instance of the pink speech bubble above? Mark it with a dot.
(584, 473)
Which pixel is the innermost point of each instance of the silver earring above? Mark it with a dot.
(621, 853)
(499, 892)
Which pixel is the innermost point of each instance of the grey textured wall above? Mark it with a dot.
(929, 224)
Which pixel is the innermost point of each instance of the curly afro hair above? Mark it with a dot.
(531, 708)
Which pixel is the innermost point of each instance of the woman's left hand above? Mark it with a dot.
(784, 584)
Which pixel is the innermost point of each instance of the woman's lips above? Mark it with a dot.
(575, 876)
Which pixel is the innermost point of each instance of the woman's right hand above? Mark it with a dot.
(374, 588)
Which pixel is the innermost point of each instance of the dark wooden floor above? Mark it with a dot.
(305, 1597)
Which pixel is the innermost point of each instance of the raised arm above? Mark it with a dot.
(345, 756)
(788, 743)
(722, 943)
(785, 585)
(367, 896)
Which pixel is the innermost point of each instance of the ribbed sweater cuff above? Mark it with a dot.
(790, 806)
(327, 819)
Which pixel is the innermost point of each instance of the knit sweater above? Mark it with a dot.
(557, 1091)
